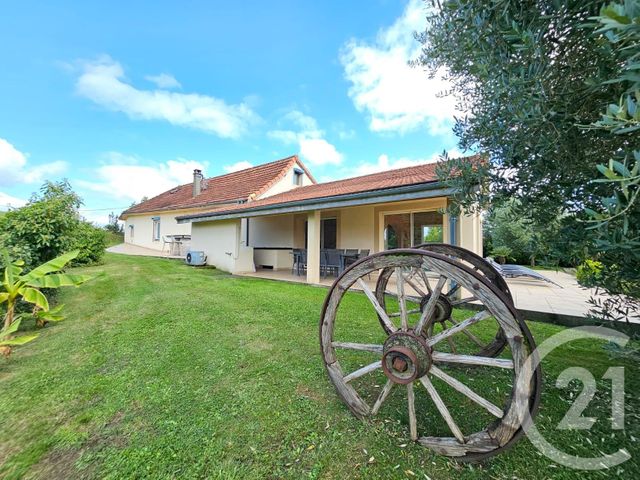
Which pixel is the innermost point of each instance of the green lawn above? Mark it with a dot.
(165, 371)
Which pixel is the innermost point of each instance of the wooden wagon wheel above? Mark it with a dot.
(421, 287)
(406, 358)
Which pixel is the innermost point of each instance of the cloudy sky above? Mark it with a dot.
(126, 99)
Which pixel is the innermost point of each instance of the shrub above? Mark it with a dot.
(502, 253)
(589, 273)
(48, 226)
(90, 241)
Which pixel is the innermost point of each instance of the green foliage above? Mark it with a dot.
(50, 225)
(535, 77)
(589, 273)
(502, 253)
(17, 286)
(90, 242)
(615, 216)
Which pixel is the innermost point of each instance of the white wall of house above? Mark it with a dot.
(470, 232)
(138, 229)
(357, 228)
(273, 231)
(221, 243)
(287, 183)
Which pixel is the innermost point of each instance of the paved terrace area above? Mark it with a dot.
(530, 295)
(568, 300)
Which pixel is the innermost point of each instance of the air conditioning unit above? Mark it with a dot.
(195, 258)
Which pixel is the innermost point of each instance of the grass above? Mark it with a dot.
(165, 371)
(114, 238)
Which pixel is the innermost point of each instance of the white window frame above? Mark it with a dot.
(411, 211)
(155, 229)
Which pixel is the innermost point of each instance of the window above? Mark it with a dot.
(297, 176)
(131, 232)
(156, 229)
(328, 233)
(406, 230)
(427, 227)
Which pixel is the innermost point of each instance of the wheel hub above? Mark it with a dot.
(443, 308)
(405, 357)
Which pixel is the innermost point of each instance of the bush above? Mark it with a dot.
(589, 273)
(90, 241)
(48, 226)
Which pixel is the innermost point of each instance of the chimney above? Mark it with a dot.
(197, 182)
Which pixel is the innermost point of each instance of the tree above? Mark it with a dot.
(16, 286)
(50, 225)
(534, 77)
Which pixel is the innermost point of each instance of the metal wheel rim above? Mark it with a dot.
(536, 377)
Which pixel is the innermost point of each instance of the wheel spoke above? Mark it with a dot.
(463, 300)
(425, 279)
(413, 423)
(462, 388)
(404, 320)
(415, 287)
(453, 291)
(431, 305)
(458, 327)
(472, 360)
(452, 345)
(442, 408)
(471, 336)
(365, 347)
(363, 371)
(382, 397)
(409, 312)
(372, 298)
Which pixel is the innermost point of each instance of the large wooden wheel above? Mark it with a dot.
(465, 406)
(420, 284)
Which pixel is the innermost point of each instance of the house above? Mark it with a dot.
(151, 221)
(392, 209)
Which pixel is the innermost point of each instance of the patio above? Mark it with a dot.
(529, 295)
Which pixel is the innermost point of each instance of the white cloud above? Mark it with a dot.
(103, 82)
(395, 96)
(312, 146)
(7, 201)
(164, 80)
(319, 152)
(131, 182)
(385, 163)
(15, 168)
(242, 165)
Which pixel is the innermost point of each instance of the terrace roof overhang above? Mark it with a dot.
(393, 194)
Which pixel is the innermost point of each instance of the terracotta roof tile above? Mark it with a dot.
(378, 181)
(229, 188)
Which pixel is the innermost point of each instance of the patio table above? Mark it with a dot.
(176, 245)
(343, 260)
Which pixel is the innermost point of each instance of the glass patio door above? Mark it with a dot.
(406, 230)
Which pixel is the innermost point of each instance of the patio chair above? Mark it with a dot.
(302, 264)
(332, 261)
(364, 252)
(167, 239)
(296, 253)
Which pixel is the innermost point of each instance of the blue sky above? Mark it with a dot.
(125, 98)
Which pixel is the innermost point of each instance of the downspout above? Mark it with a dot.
(453, 223)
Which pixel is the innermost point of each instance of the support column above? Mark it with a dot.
(313, 247)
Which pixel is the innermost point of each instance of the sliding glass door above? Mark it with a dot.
(405, 230)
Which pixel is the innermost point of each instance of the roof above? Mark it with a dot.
(389, 180)
(230, 188)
